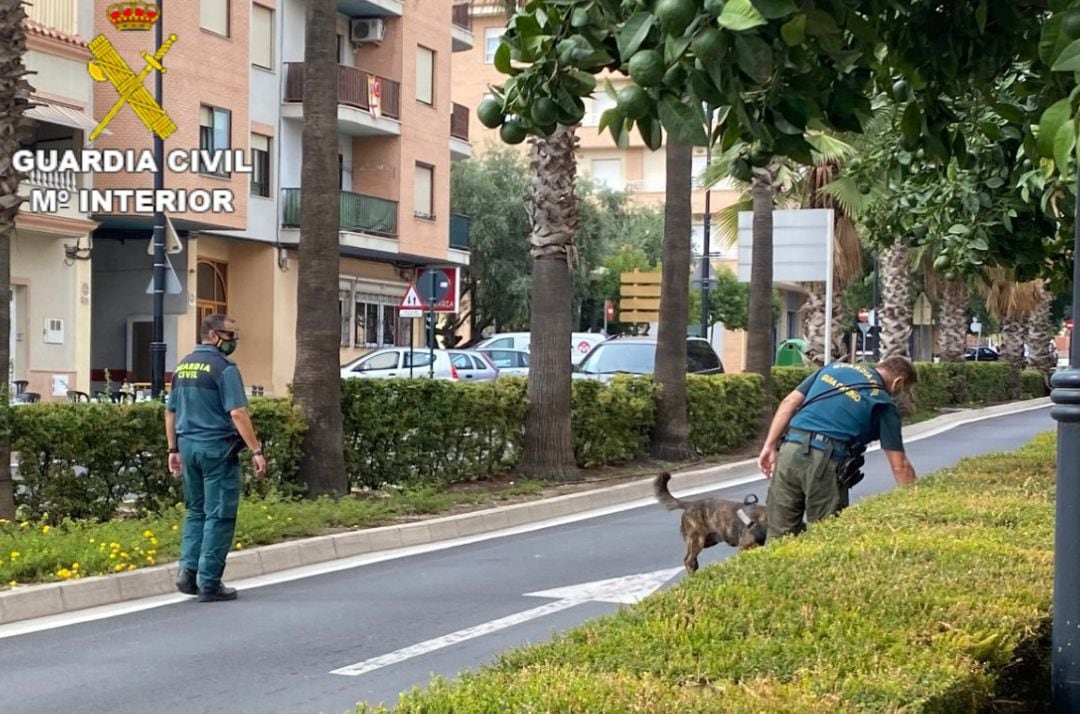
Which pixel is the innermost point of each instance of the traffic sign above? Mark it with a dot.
(441, 286)
(411, 306)
(609, 310)
(1069, 324)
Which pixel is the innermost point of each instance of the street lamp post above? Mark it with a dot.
(1065, 639)
(158, 347)
(705, 247)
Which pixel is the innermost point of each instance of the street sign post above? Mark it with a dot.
(434, 287)
(411, 308)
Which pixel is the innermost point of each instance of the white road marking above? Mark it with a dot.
(625, 590)
(124, 608)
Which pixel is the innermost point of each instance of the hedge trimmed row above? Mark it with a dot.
(929, 599)
(85, 460)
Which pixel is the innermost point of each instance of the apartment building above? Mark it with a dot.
(235, 81)
(50, 270)
(632, 167)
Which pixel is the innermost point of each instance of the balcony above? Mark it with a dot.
(356, 95)
(58, 14)
(459, 232)
(370, 8)
(359, 213)
(460, 148)
(461, 27)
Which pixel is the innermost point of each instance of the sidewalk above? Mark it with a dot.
(52, 599)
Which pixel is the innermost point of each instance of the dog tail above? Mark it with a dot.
(663, 495)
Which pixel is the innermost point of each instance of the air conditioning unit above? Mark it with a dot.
(367, 30)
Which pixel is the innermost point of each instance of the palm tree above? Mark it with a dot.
(316, 377)
(894, 263)
(671, 440)
(552, 205)
(1042, 329)
(1011, 304)
(15, 127)
(953, 298)
(763, 189)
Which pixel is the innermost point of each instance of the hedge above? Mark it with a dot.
(929, 599)
(1033, 384)
(85, 460)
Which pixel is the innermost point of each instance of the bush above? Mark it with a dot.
(1033, 384)
(786, 379)
(82, 461)
(612, 423)
(919, 600)
(956, 384)
(724, 411)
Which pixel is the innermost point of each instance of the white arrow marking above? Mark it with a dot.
(625, 590)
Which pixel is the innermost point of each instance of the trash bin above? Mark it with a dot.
(789, 354)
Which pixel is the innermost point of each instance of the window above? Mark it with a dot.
(379, 325)
(607, 173)
(423, 193)
(211, 292)
(214, 130)
(502, 343)
(214, 16)
(425, 75)
(417, 359)
(700, 357)
(260, 160)
(385, 360)
(262, 37)
(492, 39)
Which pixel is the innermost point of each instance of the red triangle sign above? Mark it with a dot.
(411, 300)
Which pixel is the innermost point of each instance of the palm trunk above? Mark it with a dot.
(760, 319)
(316, 379)
(671, 438)
(1041, 333)
(895, 322)
(953, 321)
(548, 451)
(15, 127)
(1013, 333)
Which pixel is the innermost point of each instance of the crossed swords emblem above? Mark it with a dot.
(108, 65)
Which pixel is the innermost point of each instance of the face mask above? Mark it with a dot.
(226, 347)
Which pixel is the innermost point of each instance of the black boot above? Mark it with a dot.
(217, 594)
(185, 582)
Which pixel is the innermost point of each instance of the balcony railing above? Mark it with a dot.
(352, 89)
(53, 179)
(461, 16)
(459, 122)
(459, 231)
(58, 14)
(359, 213)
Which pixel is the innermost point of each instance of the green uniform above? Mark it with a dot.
(206, 387)
(845, 407)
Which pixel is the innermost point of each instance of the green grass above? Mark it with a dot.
(919, 600)
(36, 552)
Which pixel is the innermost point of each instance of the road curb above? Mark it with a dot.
(34, 601)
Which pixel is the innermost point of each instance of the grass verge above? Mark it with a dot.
(928, 599)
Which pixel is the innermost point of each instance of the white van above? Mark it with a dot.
(580, 343)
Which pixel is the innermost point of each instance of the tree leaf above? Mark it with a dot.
(705, 90)
(634, 33)
(776, 9)
(794, 31)
(1069, 59)
(980, 16)
(1050, 123)
(958, 229)
(675, 48)
(1052, 40)
(681, 122)
(502, 59)
(911, 122)
(740, 15)
(754, 57)
(610, 117)
(1064, 143)
(819, 22)
(651, 132)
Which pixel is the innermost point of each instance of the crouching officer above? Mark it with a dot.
(813, 451)
(208, 425)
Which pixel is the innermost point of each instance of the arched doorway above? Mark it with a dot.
(212, 294)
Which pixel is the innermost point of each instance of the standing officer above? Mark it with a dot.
(820, 427)
(207, 410)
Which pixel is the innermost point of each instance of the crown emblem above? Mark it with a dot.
(134, 15)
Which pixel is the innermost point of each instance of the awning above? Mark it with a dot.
(64, 116)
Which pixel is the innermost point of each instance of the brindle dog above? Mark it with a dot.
(708, 521)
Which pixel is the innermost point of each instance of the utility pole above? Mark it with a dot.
(705, 248)
(1065, 644)
(158, 347)
(875, 329)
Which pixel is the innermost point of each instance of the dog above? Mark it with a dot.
(708, 521)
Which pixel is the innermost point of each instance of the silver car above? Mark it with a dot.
(509, 362)
(401, 362)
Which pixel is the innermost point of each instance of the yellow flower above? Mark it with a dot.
(151, 552)
(150, 560)
(153, 541)
(24, 524)
(289, 519)
(118, 568)
(148, 534)
(46, 529)
(91, 540)
(125, 556)
(114, 546)
(13, 583)
(74, 566)
(4, 521)
(112, 556)
(15, 554)
(63, 573)
(269, 518)
(239, 545)
(130, 568)
(175, 527)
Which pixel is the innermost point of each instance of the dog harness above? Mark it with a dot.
(755, 528)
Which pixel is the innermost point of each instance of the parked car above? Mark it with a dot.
(637, 355)
(580, 343)
(509, 362)
(458, 365)
(983, 354)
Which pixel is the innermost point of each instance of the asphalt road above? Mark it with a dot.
(275, 648)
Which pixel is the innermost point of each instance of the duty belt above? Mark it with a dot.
(821, 442)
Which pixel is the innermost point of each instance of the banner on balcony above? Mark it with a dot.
(374, 94)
